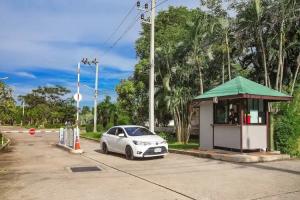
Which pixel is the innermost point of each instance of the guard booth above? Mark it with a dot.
(68, 135)
(235, 115)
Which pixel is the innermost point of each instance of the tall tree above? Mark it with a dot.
(7, 105)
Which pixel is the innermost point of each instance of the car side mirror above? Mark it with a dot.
(121, 135)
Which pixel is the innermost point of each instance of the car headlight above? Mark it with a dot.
(141, 143)
(164, 142)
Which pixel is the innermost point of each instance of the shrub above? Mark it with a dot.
(167, 136)
(89, 127)
(287, 127)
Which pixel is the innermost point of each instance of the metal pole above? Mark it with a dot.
(96, 97)
(77, 106)
(23, 112)
(151, 78)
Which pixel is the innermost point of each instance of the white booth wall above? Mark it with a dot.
(253, 137)
(206, 124)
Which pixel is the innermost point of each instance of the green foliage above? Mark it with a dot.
(199, 49)
(287, 127)
(170, 138)
(47, 107)
(184, 146)
(8, 107)
(92, 135)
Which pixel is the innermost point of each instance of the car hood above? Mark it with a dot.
(148, 138)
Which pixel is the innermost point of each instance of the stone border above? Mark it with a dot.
(238, 158)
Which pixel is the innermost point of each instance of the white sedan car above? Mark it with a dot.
(133, 141)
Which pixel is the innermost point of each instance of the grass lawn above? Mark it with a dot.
(183, 146)
(92, 135)
(172, 144)
(193, 144)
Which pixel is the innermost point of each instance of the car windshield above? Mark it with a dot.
(138, 131)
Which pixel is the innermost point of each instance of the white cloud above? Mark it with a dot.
(26, 74)
(46, 34)
(39, 35)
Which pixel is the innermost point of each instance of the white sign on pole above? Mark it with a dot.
(77, 97)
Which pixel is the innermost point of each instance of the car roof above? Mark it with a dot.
(126, 126)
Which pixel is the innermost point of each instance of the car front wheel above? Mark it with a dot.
(104, 148)
(129, 153)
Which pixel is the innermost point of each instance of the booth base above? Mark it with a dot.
(66, 148)
(233, 156)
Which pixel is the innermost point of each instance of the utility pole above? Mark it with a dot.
(95, 62)
(152, 61)
(96, 94)
(23, 112)
(78, 98)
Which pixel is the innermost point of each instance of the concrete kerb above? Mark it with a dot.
(70, 150)
(238, 158)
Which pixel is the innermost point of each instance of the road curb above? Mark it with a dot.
(70, 150)
(238, 158)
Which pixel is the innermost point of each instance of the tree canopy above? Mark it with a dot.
(195, 50)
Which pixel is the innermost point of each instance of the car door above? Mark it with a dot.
(111, 139)
(121, 141)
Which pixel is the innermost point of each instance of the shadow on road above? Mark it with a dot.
(123, 156)
(271, 168)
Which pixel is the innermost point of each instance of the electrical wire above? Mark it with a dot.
(120, 25)
(130, 26)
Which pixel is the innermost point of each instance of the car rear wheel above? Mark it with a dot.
(104, 148)
(129, 153)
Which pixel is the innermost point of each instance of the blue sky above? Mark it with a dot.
(41, 42)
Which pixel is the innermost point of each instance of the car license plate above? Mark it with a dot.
(157, 150)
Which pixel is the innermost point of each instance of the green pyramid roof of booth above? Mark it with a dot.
(240, 85)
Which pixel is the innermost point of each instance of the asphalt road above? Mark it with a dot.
(34, 168)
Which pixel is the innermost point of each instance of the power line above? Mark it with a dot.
(122, 35)
(161, 3)
(119, 26)
(130, 26)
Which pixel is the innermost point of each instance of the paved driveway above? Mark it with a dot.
(36, 169)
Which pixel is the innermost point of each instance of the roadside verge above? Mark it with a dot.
(6, 142)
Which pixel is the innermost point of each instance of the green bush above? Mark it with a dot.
(89, 128)
(287, 127)
(167, 136)
(92, 135)
(54, 125)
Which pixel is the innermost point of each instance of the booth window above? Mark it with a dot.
(255, 111)
(226, 112)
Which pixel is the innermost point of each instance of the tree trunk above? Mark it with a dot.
(296, 74)
(281, 76)
(223, 69)
(264, 59)
(228, 56)
(178, 125)
(280, 57)
(201, 80)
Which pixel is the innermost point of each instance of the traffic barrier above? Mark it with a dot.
(26, 131)
(77, 144)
